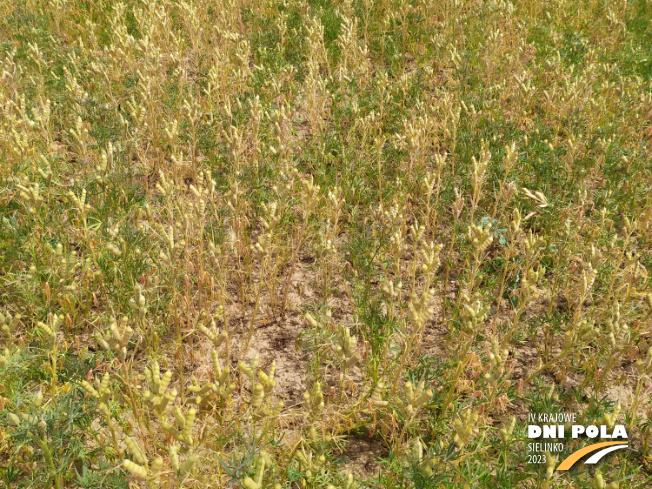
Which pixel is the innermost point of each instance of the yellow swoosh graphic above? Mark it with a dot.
(575, 456)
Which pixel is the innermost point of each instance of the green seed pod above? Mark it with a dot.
(506, 433)
(135, 469)
(105, 410)
(551, 463)
(180, 418)
(135, 451)
(90, 389)
(184, 470)
(100, 341)
(157, 466)
(168, 428)
(13, 419)
(409, 392)
(50, 336)
(38, 398)
(174, 457)
(249, 483)
(246, 369)
(257, 396)
(165, 381)
(266, 380)
(166, 400)
(104, 384)
(190, 419)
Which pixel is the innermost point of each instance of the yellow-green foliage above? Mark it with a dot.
(407, 223)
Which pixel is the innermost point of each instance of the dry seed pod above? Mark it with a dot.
(199, 390)
(213, 332)
(8, 323)
(540, 200)
(533, 242)
(174, 248)
(618, 330)
(376, 396)
(392, 290)
(480, 237)
(42, 427)
(610, 419)
(306, 461)
(50, 330)
(346, 348)
(497, 359)
(183, 435)
(417, 450)
(267, 380)
(37, 400)
(30, 196)
(415, 399)
(249, 370)
(218, 390)
(397, 242)
(417, 231)
(551, 464)
(138, 302)
(473, 315)
(465, 428)
(309, 196)
(313, 322)
(419, 309)
(46, 173)
(156, 396)
(506, 432)
(430, 257)
(117, 338)
(179, 417)
(528, 290)
(425, 464)
(187, 426)
(79, 202)
(644, 367)
(314, 399)
(267, 410)
(114, 249)
(599, 483)
(586, 331)
(101, 390)
(220, 375)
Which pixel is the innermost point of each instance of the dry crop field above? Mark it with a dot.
(322, 244)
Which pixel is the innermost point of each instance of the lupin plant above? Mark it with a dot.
(217, 391)
(314, 399)
(30, 194)
(156, 396)
(465, 428)
(49, 331)
(117, 337)
(415, 398)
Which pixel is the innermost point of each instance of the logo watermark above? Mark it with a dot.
(550, 430)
